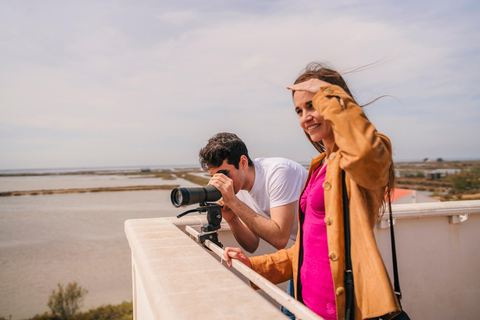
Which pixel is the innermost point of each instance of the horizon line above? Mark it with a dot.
(183, 166)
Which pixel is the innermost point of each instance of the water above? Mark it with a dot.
(50, 239)
(92, 169)
(24, 183)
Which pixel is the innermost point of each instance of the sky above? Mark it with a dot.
(148, 82)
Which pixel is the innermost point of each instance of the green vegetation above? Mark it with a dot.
(122, 311)
(467, 181)
(447, 180)
(65, 303)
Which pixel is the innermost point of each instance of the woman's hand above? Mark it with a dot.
(311, 85)
(237, 254)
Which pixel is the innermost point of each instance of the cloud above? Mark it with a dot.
(178, 17)
(160, 80)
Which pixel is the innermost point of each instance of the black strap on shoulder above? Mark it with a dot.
(348, 276)
(396, 281)
(349, 288)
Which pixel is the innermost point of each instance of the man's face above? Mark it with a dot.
(237, 175)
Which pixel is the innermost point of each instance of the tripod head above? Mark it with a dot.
(214, 218)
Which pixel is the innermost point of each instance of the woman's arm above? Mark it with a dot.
(275, 267)
(366, 153)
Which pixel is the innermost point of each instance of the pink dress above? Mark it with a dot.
(315, 273)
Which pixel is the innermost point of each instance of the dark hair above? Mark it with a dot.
(223, 146)
(316, 70)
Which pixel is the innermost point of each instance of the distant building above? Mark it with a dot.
(440, 173)
(433, 175)
(410, 196)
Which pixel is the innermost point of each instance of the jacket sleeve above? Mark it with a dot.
(365, 153)
(275, 267)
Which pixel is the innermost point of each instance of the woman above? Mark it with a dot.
(346, 140)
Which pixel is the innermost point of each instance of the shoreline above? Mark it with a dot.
(157, 180)
(85, 190)
(445, 180)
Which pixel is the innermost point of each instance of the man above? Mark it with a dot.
(259, 197)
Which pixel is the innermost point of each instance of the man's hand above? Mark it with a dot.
(225, 185)
(227, 213)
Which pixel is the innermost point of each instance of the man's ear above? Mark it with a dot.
(243, 161)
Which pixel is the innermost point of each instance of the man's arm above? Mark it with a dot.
(244, 236)
(276, 230)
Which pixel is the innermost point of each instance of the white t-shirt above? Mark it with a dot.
(278, 181)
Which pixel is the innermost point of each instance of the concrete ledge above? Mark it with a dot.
(433, 209)
(175, 278)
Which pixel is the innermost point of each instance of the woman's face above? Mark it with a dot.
(310, 120)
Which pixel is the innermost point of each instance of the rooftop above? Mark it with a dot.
(176, 278)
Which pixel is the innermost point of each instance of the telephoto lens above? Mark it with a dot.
(182, 197)
(185, 196)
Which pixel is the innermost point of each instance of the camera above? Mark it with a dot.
(181, 197)
(186, 196)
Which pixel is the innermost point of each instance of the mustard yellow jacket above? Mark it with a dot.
(365, 155)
